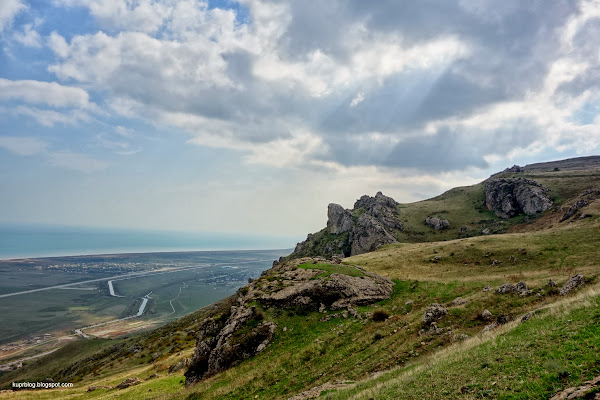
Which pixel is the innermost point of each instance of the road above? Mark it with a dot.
(124, 276)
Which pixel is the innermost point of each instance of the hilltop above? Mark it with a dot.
(489, 290)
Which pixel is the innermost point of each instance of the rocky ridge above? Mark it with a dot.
(370, 224)
(511, 197)
(225, 339)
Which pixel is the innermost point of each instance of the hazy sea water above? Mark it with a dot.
(48, 241)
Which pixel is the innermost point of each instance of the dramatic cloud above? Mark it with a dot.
(389, 70)
(349, 95)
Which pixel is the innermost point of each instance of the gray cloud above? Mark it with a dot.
(345, 70)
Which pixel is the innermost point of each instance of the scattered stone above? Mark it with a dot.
(409, 303)
(185, 363)
(459, 301)
(551, 283)
(434, 312)
(128, 382)
(460, 337)
(573, 209)
(486, 315)
(506, 288)
(501, 320)
(494, 262)
(153, 376)
(435, 259)
(96, 387)
(437, 223)
(573, 283)
(526, 317)
(511, 197)
(421, 332)
(463, 229)
(486, 231)
(589, 390)
(434, 329)
(322, 308)
(487, 288)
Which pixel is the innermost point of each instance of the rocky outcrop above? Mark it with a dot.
(369, 234)
(128, 382)
(434, 313)
(226, 338)
(588, 390)
(338, 219)
(369, 225)
(308, 289)
(520, 288)
(574, 282)
(185, 363)
(437, 223)
(511, 197)
(224, 344)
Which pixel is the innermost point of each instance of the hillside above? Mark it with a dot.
(449, 327)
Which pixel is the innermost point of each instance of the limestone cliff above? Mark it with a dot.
(371, 223)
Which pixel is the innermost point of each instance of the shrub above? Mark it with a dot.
(380, 315)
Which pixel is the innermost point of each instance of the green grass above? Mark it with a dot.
(555, 349)
(332, 269)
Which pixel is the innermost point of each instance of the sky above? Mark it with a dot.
(251, 116)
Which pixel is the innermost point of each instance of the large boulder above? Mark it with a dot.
(437, 223)
(574, 282)
(338, 219)
(511, 197)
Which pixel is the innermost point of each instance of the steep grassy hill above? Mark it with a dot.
(388, 351)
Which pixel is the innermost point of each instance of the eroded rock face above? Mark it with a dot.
(368, 235)
(588, 390)
(304, 288)
(338, 219)
(511, 197)
(369, 225)
(224, 344)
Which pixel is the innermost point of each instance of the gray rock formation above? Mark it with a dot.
(128, 382)
(369, 234)
(574, 208)
(303, 288)
(573, 283)
(520, 288)
(433, 313)
(338, 219)
(224, 344)
(368, 226)
(510, 197)
(486, 315)
(185, 363)
(437, 223)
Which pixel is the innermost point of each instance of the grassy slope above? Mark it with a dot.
(309, 352)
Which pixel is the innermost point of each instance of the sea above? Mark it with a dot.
(27, 241)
